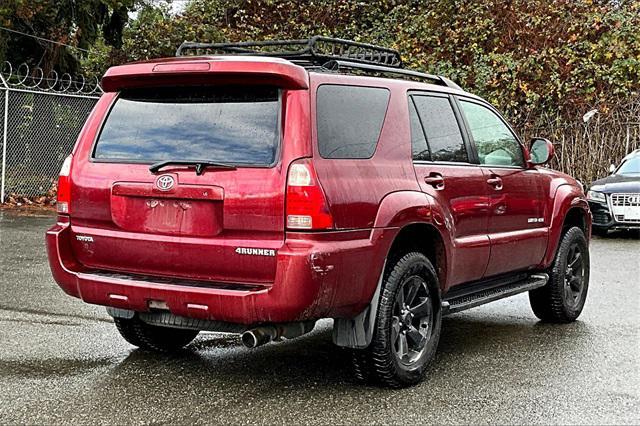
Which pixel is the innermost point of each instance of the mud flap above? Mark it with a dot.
(357, 332)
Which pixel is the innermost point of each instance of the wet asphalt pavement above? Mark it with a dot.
(62, 361)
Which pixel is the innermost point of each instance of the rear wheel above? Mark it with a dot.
(152, 337)
(562, 299)
(407, 325)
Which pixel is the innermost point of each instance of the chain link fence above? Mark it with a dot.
(593, 140)
(40, 119)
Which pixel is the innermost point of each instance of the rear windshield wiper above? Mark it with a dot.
(200, 165)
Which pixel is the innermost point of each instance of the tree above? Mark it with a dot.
(529, 57)
(79, 23)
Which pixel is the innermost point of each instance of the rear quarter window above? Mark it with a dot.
(349, 120)
(236, 125)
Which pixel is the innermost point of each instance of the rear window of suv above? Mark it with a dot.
(237, 125)
(349, 120)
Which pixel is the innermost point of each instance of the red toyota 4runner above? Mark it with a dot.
(256, 191)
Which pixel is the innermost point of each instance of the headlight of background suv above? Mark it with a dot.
(596, 196)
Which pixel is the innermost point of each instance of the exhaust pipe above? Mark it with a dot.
(258, 336)
(263, 334)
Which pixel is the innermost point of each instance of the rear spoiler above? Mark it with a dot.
(204, 71)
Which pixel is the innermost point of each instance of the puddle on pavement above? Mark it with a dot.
(53, 367)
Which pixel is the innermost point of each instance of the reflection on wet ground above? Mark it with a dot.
(62, 361)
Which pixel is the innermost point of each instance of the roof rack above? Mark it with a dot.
(313, 51)
(318, 52)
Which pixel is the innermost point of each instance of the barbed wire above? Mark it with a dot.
(46, 40)
(34, 78)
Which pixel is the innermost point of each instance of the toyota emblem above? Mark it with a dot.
(165, 182)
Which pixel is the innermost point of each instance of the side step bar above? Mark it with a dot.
(482, 296)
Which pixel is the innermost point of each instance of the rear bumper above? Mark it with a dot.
(317, 276)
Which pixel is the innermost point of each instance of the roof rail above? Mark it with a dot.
(438, 79)
(316, 50)
(321, 53)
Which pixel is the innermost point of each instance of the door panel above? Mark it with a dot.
(462, 196)
(441, 162)
(517, 231)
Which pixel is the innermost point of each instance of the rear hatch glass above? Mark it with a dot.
(228, 125)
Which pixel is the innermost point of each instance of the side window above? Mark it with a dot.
(495, 143)
(441, 128)
(419, 146)
(349, 120)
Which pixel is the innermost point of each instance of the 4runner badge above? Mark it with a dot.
(255, 251)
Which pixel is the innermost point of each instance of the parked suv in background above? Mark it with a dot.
(615, 200)
(256, 195)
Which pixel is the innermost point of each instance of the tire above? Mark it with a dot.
(152, 337)
(404, 340)
(361, 366)
(562, 299)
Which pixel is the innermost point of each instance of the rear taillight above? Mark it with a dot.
(64, 186)
(307, 207)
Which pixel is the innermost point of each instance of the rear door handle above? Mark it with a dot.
(496, 182)
(436, 180)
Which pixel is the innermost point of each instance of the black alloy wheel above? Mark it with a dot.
(562, 299)
(574, 276)
(412, 321)
(407, 325)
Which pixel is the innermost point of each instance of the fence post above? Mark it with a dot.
(5, 119)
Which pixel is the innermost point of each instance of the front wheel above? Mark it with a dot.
(562, 299)
(407, 327)
(153, 337)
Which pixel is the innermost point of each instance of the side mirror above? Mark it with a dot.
(541, 151)
(612, 168)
